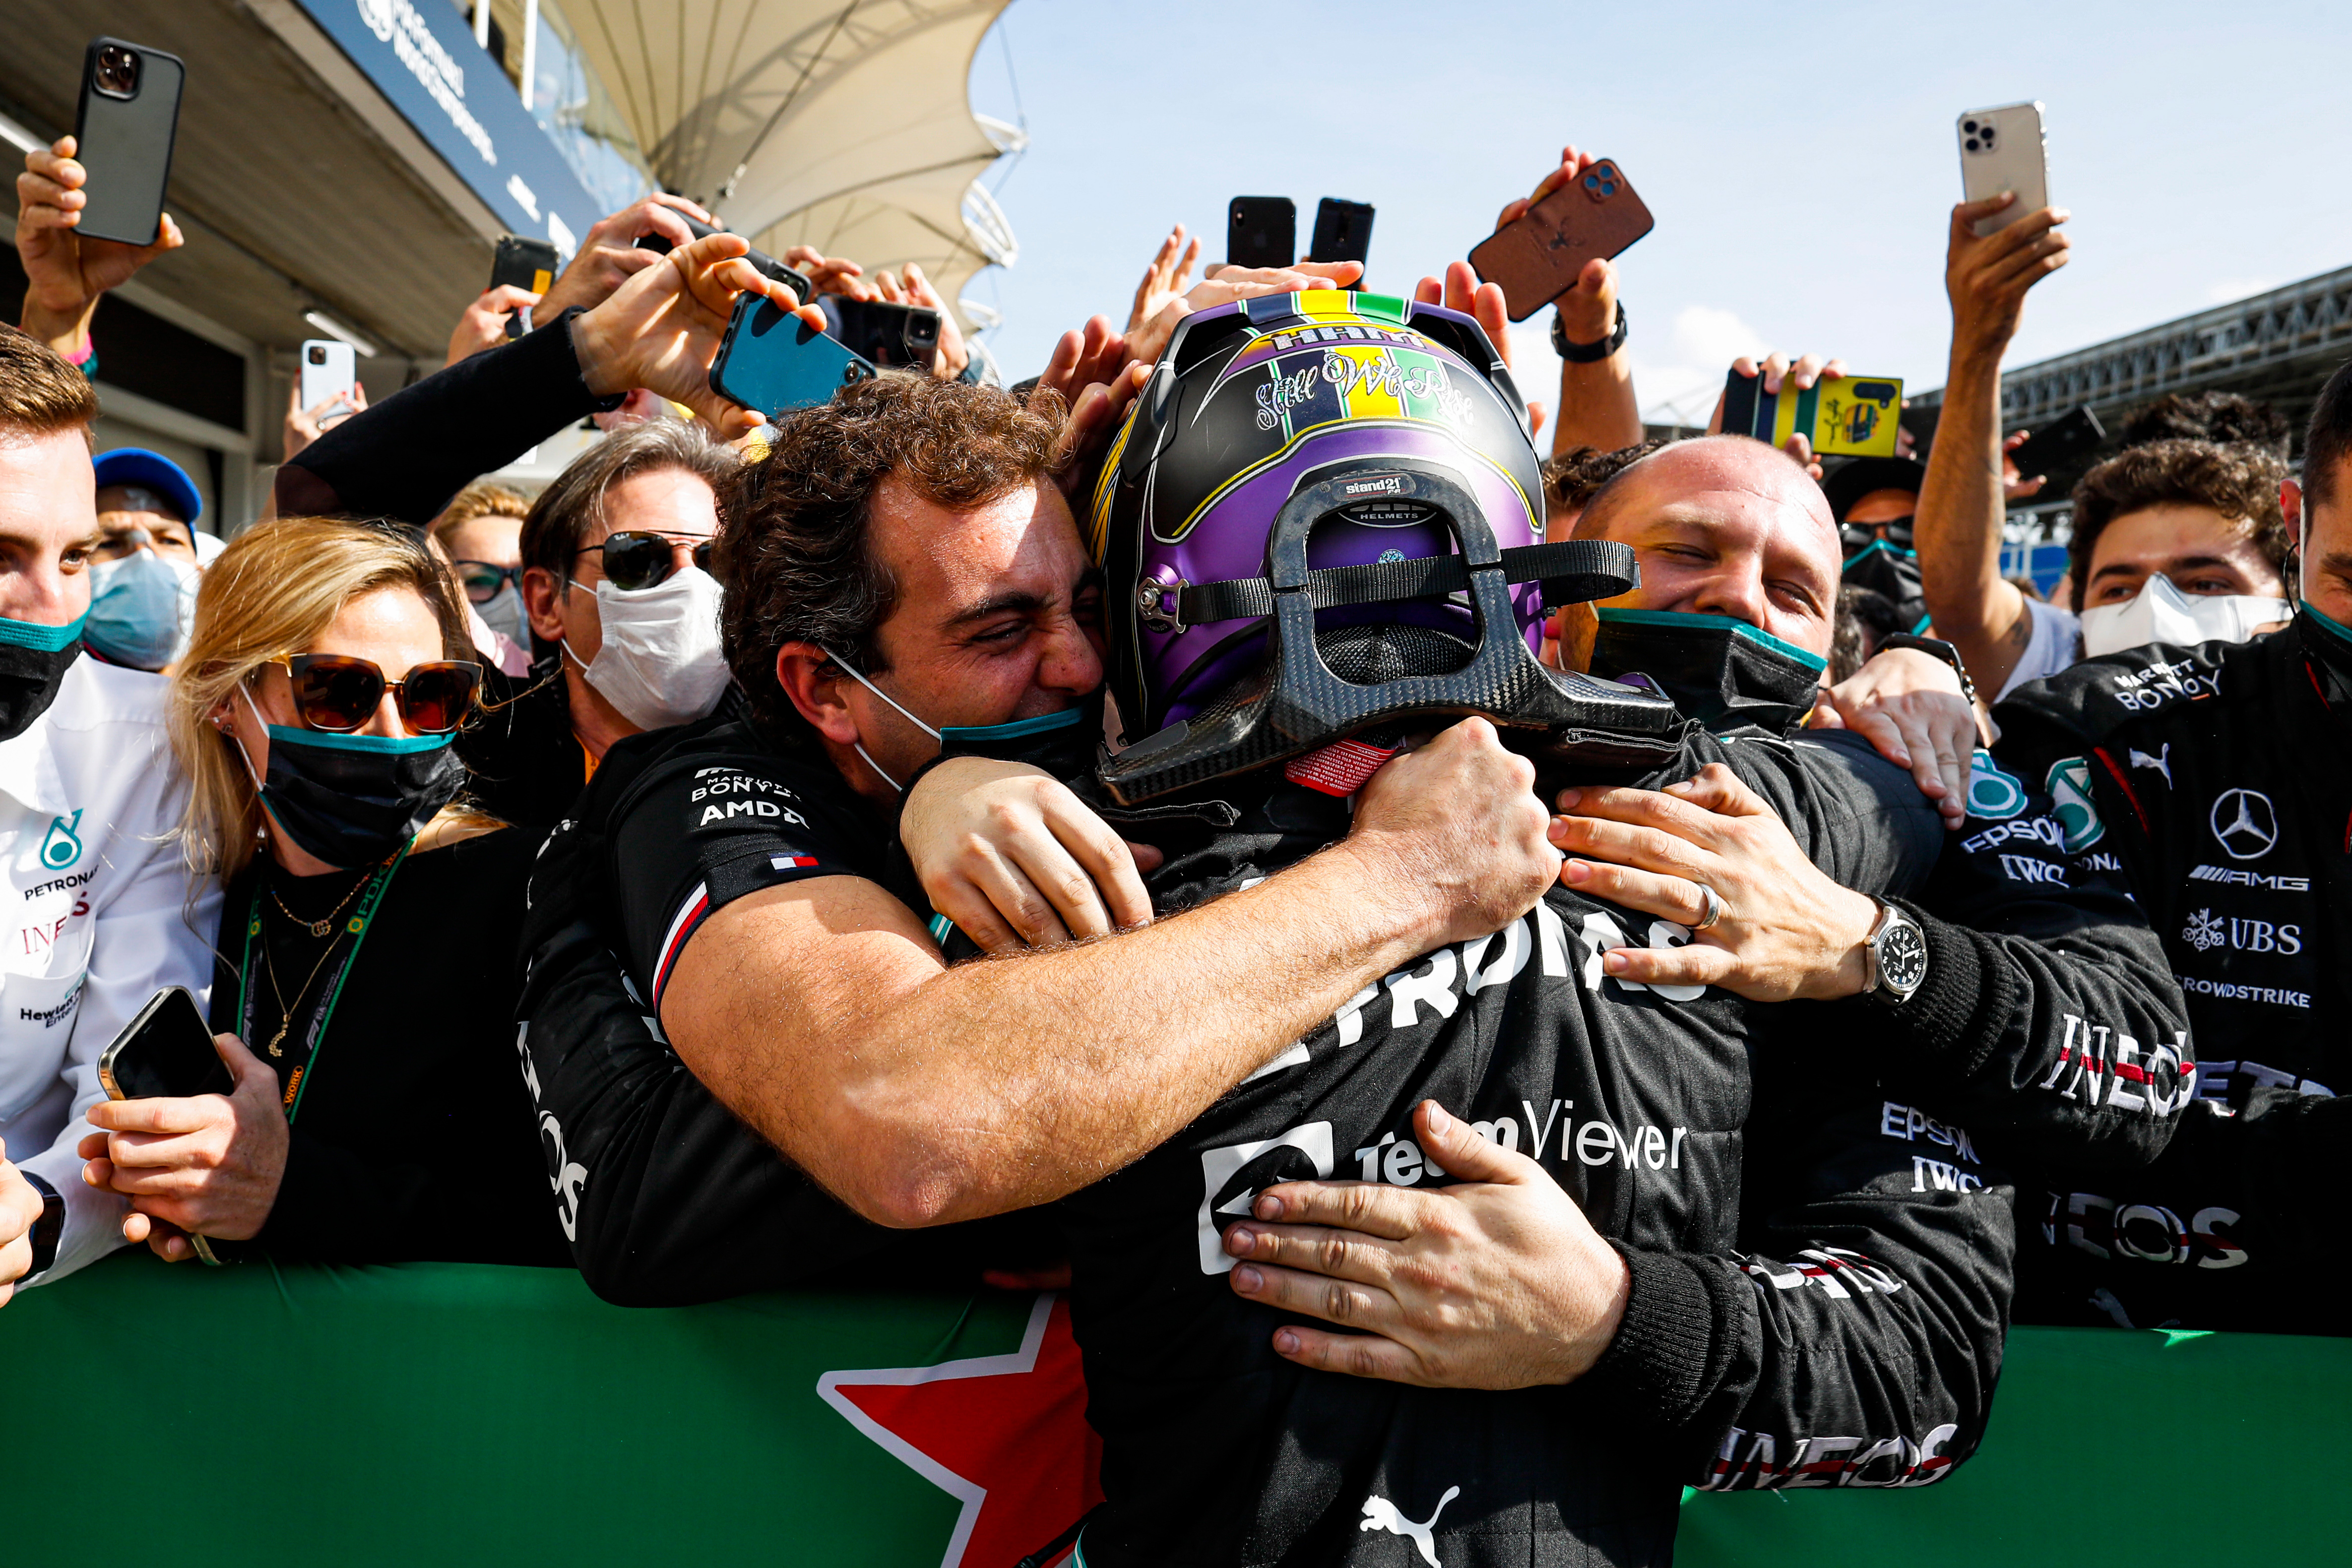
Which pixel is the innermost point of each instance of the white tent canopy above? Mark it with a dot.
(843, 124)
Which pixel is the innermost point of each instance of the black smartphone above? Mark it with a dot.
(773, 361)
(122, 134)
(164, 1052)
(1260, 230)
(531, 264)
(2058, 444)
(891, 337)
(768, 265)
(1343, 230)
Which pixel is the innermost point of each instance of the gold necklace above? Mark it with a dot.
(285, 1013)
(318, 928)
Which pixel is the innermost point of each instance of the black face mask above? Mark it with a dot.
(2328, 643)
(352, 799)
(33, 662)
(1886, 569)
(1063, 744)
(1723, 673)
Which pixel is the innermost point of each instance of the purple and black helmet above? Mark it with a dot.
(1324, 517)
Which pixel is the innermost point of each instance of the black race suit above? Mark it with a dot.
(2218, 781)
(1754, 1340)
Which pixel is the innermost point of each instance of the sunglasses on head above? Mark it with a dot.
(482, 580)
(338, 693)
(633, 559)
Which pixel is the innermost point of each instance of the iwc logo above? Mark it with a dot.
(2244, 823)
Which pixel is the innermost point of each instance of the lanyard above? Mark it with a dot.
(356, 927)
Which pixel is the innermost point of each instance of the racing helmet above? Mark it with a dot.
(1324, 517)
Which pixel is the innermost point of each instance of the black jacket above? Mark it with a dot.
(2218, 782)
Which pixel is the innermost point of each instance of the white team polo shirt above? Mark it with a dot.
(96, 912)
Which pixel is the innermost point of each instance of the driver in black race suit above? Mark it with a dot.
(1789, 1272)
(2218, 779)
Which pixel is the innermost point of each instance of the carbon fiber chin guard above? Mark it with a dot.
(1294, 702)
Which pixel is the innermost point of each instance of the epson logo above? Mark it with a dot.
(2237, 878)
(1386, 485)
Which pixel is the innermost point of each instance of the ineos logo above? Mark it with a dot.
(2244, 823)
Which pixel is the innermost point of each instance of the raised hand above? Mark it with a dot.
(952, 356)
(1461, 290)
(484, 324)
(609, 256)
(1986, 276)
(1166, 280)
(64, 273)
(663, 328)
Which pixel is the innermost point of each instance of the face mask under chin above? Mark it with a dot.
(33, 660)
(1723, 673)
(1062, 744)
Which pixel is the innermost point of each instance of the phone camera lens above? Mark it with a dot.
(1970, 126)
(1593, 182)
(1987, 135)
(318, 354)
(1609, 188)
(117, 71)
(1972, 145)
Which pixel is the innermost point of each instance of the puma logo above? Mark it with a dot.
(1380, 1513)
(2161, 761)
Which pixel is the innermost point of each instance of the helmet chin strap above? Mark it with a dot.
(860, 745)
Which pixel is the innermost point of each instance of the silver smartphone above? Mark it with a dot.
(329, 368)
(2003, 149)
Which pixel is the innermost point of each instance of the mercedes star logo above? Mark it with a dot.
(2244, 823)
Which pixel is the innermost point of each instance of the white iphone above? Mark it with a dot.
(327, 368)
(2001, 150)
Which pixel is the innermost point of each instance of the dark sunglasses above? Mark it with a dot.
(1859, 537)
(482, 580)
(338, 693)
(635, 559)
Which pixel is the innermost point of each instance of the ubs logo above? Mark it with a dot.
(2244, 823)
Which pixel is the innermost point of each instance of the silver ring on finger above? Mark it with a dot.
(1710, 908)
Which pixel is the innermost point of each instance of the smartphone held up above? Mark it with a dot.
(1847, 416)
(773, 361)
(123, 131)
(2004, 149)
(1539, 257)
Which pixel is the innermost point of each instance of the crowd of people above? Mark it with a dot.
(1409, 930)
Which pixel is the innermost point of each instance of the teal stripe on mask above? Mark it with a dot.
(381, 745)
(1755, 635)
(40, 639)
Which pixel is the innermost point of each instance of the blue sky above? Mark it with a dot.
(1800, 163)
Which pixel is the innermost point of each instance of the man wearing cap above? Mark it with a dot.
(101, 912)
(1873, 500)
(143, 572)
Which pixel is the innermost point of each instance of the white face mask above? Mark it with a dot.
(660, 662)
(2160, 612)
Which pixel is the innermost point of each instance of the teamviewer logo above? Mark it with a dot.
(1232, 1178)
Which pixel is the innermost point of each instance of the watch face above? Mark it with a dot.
(1901, 956)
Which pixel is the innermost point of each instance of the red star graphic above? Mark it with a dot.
(1005, 1434)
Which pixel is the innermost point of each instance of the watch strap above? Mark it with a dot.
(1586, 353)
(1935, 648)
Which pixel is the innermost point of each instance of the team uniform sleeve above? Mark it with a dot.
(695, 839)
(156, 930)
(1856, 1339)
(2048, 1022)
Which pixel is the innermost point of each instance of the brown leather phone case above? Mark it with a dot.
(1538, 258)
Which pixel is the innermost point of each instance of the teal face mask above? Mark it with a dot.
(1062, 744)
(33, 662)
(1723, 673)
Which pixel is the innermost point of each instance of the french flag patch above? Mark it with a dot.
(790, 862)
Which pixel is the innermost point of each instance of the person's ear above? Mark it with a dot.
(1577, 627)
(2291, 505)
(542, 602)
(815, 684)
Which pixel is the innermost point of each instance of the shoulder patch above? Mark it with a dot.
(2069, 789)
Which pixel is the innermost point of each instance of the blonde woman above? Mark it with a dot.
(365, 977)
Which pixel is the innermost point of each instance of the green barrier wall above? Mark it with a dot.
(449, 1415)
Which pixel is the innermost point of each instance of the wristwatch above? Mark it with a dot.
(48, 1230)
(1898, 957)
(1586, 353)
(1935, 648)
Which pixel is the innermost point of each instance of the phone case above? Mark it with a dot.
(1536, 259)
(126, 144)
(1852, 416)
(530, 264)
(1343, 231)
(166, 1050)
(1260, 230)
(2004, 149)
(323, 381)
(773, 361)
(2059, 442)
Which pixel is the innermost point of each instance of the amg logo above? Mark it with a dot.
(1385, 485)
(2237, 878)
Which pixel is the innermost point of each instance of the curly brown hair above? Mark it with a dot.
(2237, 479)
(792, 559)
(1575, 477)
